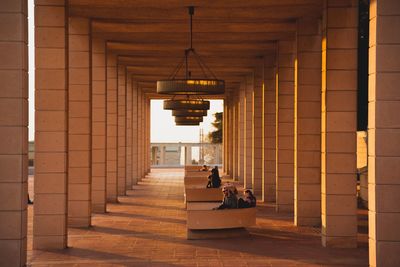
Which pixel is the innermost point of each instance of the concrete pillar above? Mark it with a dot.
(188, 155)
(256, 132)
(50, 213)
(140, 134)
(285, 126)
(225, 142)
(384, 134)
(111, 155)
(308, 124)
(339, 123)
(128, 170)
(13, 133)
(237, 137)
(242, 132)
(270, 131)
(148, 135)
(231, 137)
(79, 125)
(248, 173)
(121, 130)
(98, 126)
(135, 129)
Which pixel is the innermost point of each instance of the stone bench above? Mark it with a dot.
(196, 194)
(205, 223)
(195, 181)
(192, 167)
(197, 174)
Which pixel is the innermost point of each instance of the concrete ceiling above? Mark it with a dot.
(231, 36)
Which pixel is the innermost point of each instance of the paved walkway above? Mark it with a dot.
(148, 228)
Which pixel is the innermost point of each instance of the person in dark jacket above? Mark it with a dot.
(248, 201)
(230, 200)
(214, 181)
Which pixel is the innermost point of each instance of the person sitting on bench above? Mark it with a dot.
(230, 200)
(214, 181)
(204, 168)
(248, 201)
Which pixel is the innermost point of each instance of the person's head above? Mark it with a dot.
(248, 193)
(216, 168)
(226, 191)
(205, 166)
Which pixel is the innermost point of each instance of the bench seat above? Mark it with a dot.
(195, 181)
(196, 194)
(200, 216)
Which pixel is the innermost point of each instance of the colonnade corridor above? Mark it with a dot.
(148, 228)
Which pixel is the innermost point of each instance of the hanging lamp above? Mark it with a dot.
(188, 119)
(187, 104)
(189, 113)
(189, 85)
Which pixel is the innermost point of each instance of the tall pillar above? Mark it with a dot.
(270, 96)
(285, 126)
(256, 132)
(249, 132)
(79, 125)
(121, 130)
(308, 124)
(13, 133)
(188, 155)
(50, 213)
(140, 134)
(148, 134)
(225, 143)
(135, 129)
(128, 152)
(242, 132)
(111, 156)
(230, 133)
(98, 126)
(384, 134)
(237, 136)
(339, 124)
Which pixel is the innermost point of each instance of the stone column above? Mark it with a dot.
(285, 126)
(339, 124)
(135, 129)
(121, 130)
(242, 132)
(237, 136)
(140, 134)
(14, 132)
(50, 213)
(188, 152)
(249, 132)
(233, 134)
(225, 143)
(128, 115)
(256, 129)
(111, 156)
(98, 126)
(148, 135)
(231, 137)
(270, 131)
(384, 134)
(79, 126)
(308, 124)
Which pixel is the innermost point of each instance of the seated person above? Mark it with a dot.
(230, 200)
(248, 201)
(214, 181)
(204, 168)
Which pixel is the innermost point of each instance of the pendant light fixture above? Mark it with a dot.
(189, 84)
(187, 104)
(188, 119)
(189, 113)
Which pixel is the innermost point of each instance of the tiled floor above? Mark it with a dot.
(148, 228)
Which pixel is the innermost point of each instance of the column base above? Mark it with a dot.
(339, 241)
(83, 222)
(307, 221)
(50, 242)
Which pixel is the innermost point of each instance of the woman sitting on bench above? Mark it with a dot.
(214, 181)
(248, 201)
(230, 200)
